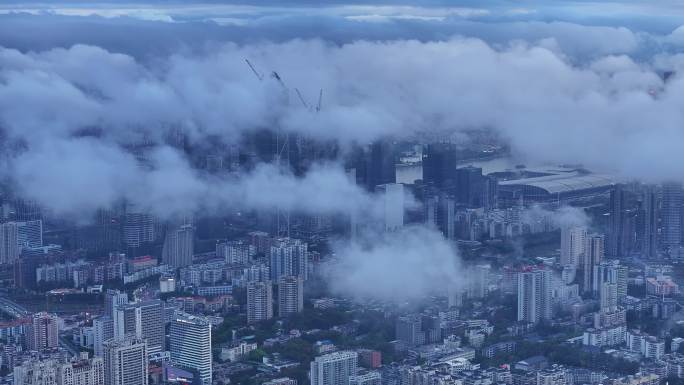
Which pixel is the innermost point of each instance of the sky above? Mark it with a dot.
(596, 83)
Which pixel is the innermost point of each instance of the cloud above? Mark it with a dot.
(194, 26)
(409, 264)
(564, 216)
(610, 111)
(74, 178)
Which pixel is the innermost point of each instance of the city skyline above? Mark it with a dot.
(392, 192)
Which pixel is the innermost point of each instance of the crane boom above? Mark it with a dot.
(258, 75)
(320, 99)
(301, 98)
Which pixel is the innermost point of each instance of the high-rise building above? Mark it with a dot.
(190, 345)
(16, 236)
(608, 297)
(36, 372)
(259, 301)
(138, 228)
(612, 272)
(418, 329)
(439, 165)
(113, 299)
(9, 243)
(103, 331)
(144, 320)
(409, 329)
(43, 331)
(573, 242)
(471, 186)
(479, 283)
(290, 295)
(440, 212)
(671, 215)
(289, 257)
(378, 165)
(534, 295)
(393, 199)
(236, 252)
(82, 371)
(650, 223)
(179, 246)
(370, 359)
(261, 241)
(616, 223)
(30, 234)
(593, 255)
(126, 361)
(25, 270)
(333, 368)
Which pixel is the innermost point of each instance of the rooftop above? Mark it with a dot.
(563, 182)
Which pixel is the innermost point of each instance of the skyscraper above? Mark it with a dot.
(440, 212)
(671, 215)
(334, 368)
(289, 257)
(16, 236)
(30, 233)
(378, 165)
(259, 301)
(439, 165)
(138, 228)
(534, 295)
(43, 331)
(470, 186)
(126, 361)
(650, 223)
(144, 320)
(573, 242)
(616, 223)
(179, 246)
(290, 295)
(190, 345)
(393, 198)
(593, 255)
(9, 243)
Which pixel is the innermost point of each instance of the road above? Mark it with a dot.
(17, 311)
(12, 308)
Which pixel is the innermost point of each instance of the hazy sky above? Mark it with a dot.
(141, 28)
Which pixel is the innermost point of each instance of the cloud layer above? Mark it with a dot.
(409, 264)
(556, 92)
